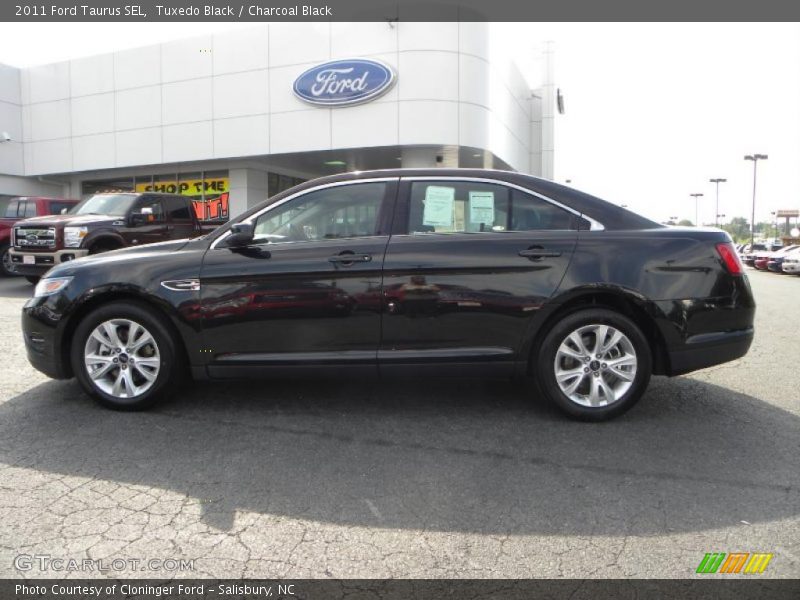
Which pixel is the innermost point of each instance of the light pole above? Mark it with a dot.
(696, 197)
(755, 158)
(718, 180)
(775, 220)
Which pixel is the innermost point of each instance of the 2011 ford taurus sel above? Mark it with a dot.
(413, 272)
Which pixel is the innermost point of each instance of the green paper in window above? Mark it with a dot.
(481, 207)
(439, 203)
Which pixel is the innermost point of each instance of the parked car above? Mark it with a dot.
(791, 263)
(758, 249)
(762, 258)
(442, 272)
(775, 262)
(20, 208)
(100, 223)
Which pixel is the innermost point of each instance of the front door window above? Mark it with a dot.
(340, 212)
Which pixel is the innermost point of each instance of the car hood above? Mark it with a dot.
(121, 259)
(68, 220)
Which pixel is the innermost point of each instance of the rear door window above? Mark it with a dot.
(30, 208)
(178, 209)
(475, 207)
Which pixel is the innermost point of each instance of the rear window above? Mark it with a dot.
(11, 209)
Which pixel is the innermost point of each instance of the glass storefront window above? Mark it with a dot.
(209, 190)
(107, 186)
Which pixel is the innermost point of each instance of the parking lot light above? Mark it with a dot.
(717, 181)
(755, 158)
(696, 196)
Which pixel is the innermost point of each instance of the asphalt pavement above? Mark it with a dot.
(407, 479)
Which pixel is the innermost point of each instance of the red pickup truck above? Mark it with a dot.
(24, 207)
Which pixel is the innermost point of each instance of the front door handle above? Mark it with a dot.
(348, 258)
(537, 253)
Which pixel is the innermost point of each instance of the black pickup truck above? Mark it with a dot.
(100, 223)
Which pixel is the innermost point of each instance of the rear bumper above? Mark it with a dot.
(709, 349)
(43, 261)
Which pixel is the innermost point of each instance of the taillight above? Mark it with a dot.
(729, 257)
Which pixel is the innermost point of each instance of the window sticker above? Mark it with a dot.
(481, 207)
(439, 202)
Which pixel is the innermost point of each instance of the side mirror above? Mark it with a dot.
(241, 235)
(142, 217)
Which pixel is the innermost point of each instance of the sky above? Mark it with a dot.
(653, 110)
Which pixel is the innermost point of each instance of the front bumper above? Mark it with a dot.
(790, 267)
(43, 261)
(39, 332)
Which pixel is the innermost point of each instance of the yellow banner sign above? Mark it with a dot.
(187, 187)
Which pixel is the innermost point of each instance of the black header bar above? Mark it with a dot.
(400, 10)
(745, 587)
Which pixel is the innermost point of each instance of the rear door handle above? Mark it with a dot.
(349, 258)
(537, 253)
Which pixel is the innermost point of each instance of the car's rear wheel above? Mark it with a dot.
(124, 356)
(594, 364)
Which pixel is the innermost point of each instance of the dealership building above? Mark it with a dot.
(234, 117)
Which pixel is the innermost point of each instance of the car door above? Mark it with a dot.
(179, 217)
(305, 295)
(468, 266)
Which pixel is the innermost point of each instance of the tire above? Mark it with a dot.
(159, 363)
(6, 266)
(100, 247)
(593, 390)
(34, 279)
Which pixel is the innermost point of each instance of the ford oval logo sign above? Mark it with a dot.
(344, 82)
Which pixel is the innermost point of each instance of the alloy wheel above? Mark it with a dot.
(8, 266)
(595, 365)
(122, 358)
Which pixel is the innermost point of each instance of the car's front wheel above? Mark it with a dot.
(594, 364)
(7, 268)
(124, 356)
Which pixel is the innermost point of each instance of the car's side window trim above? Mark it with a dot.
(252, 218)
(401, 228)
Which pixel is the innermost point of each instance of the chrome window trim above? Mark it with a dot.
(324, 186)
(594, 225)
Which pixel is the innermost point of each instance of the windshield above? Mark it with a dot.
(115, 205)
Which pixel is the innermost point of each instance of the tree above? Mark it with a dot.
(738, 228)
(685, 223)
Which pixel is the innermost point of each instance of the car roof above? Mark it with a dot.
(47, 198)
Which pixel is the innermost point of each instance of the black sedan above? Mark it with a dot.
(446, 273)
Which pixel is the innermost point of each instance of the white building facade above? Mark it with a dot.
(216, 117)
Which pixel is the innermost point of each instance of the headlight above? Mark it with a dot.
(73, 236)
(50, 286)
